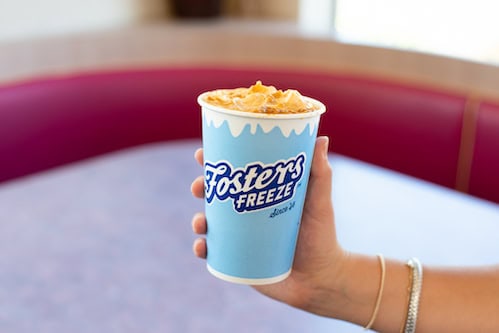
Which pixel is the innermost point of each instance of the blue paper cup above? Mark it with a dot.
(256, 170)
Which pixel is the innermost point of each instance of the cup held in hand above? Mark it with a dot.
(256, 169)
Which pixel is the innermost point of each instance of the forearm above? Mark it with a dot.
(451, 300)
(460, 300)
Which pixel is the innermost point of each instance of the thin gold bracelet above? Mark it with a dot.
(380, 292)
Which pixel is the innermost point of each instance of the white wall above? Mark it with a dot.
(316, 17)
(20, 19)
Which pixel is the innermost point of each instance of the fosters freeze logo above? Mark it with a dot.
(256, 186)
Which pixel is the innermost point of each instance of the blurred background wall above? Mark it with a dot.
(21, 19)
(457, 48)
(264, 9)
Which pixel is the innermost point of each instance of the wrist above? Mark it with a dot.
(329, 291)
(348, 290)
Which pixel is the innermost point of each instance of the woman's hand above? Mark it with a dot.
(328, 281)
(318, 257)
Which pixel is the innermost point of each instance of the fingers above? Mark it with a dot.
(197, 187)
(199, 224)
(198, 155)
(199, 227)
(199, 248)
(199, 220)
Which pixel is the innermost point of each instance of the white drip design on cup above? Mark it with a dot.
(238, 120)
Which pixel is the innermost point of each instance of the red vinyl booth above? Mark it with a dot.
(50, 122)
(484, 177)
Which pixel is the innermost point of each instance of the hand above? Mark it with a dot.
(318, 257)
(328, 281)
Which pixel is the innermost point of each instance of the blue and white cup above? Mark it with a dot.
(256, 170)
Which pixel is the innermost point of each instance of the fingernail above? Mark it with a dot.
(325, 146)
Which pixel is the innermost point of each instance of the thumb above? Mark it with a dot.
(318, 200)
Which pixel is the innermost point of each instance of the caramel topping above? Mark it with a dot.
(261, 99)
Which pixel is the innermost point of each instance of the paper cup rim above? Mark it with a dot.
(259, 115)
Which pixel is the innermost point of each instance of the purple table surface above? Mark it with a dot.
(104, 245)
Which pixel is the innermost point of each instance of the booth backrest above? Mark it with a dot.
(484, 177)
(51, 122)
(407, 129)
(54, 121)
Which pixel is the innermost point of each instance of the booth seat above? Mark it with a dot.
(49, 122)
